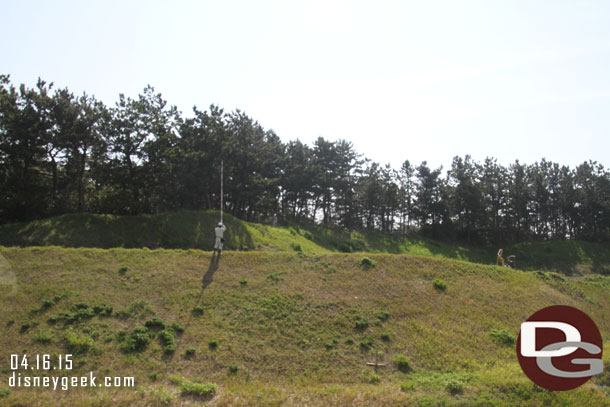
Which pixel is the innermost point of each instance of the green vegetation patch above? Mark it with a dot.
(439, 284)
(204, 390)
(402, 363)
(367, 262)
(502, 337)
(137, 340)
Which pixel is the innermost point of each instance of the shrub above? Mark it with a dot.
(383, 315)
(502, 337)
(190, 352)
(407, 387)
(121, 335)
(167, 340)
(439, 284)
(102, 310)
(79, 306)
(275, 276)
(137, 340)
(233, 369)
(44, 336)
(47, 304)
(79, 312)
(402, 363)
(296, 247)
(66, 317)
(367, 343)
(176, 327)
(344, 248)
(243, 281)
(213, 344)
(361, 323)
(155, 323)
(153, 377)
(349, 341)
(166, 337)
(82, 314)
(385, 337)
(123, 270)
(4, 392)
(197, 389)
(78, 343)
(367, 263)
(455, 387)
(198, 310)
(25, 326)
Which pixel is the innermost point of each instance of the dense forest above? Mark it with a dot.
(61, 153)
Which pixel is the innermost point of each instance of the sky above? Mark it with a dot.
(401, 80)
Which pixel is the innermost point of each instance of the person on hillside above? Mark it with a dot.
(219, 232)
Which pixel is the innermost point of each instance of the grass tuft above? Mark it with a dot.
(439, 285)
(367, 262)
(167, 340)
(455, 387)
(502, 337)
(188, 388)
(361, 323)
(44, 337)
(367, 343)
(402, 363)
(155, 324)
(78, 343)
(374, 378)
(137, 340)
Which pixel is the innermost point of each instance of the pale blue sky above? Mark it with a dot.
(417, 80)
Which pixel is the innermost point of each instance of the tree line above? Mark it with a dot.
(61, 153)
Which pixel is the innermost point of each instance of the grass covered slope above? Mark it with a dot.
(194, 229)
(272, 328)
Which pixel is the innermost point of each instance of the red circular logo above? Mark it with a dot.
(560, 348)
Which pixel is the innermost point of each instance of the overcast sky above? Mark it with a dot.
(416, 80)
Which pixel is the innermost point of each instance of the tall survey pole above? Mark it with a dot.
(221, 188)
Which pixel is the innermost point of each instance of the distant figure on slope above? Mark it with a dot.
(500, 259)
(219, 231)
(274, 220)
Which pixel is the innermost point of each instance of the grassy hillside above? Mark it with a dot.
(271, 328)
(192, 229)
